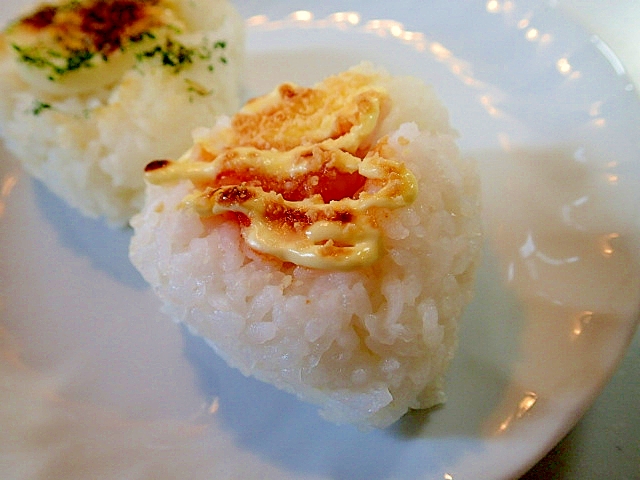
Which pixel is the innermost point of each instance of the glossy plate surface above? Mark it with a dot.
(96, 383)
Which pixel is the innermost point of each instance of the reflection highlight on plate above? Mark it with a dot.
(606, 244)
(611, 57)
(524, 21)
(384, 28)
(525, 404)
(517, 16)
(582, 320)
(532, 34)
(8, 182)
(214, 406)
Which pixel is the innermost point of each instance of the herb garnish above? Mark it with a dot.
(57, 63)
(78, 34)
(177, 55)
(73, 35)
(39, 107)
(197, 88)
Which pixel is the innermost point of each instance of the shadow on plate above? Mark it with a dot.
(276, 425)
(107, 248)
(285, 431)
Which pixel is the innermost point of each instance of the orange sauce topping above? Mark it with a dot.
(298, 169)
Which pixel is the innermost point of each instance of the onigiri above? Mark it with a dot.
(324, 240)
(92, 90)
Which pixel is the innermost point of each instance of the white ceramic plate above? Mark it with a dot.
(95, 383)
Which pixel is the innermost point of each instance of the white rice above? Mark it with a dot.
(364, 345)
(91, 148)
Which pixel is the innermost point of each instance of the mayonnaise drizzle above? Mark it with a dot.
(313, 204)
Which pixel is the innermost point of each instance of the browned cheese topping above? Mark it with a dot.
(75, 46)
(97, 27)
(298, 169)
